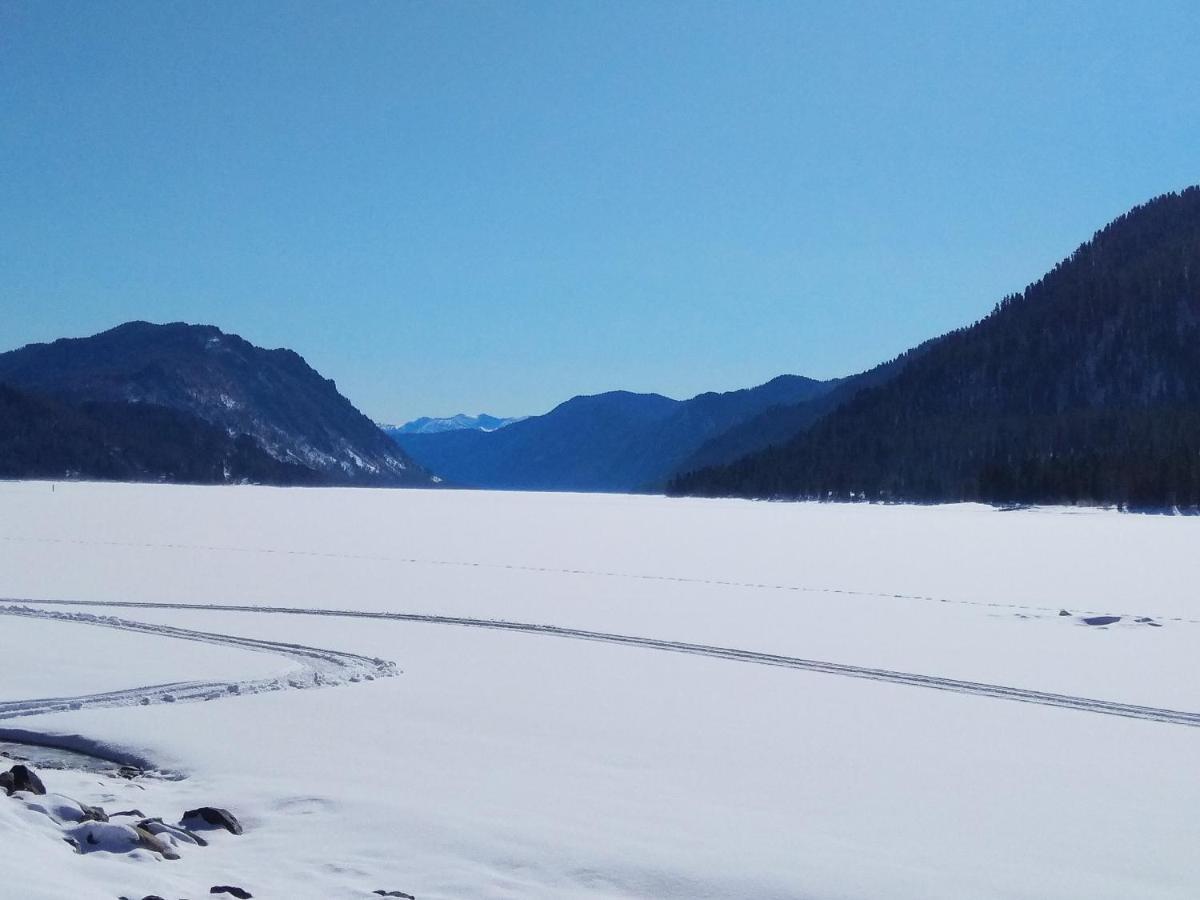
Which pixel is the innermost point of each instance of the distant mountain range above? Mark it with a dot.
(188, 403)
(460, 422)
(1084, 388)
(618, 441)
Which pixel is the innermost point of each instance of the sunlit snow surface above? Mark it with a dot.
(524, 765)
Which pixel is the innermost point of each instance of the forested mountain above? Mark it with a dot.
(42, 437)
(270, 397)
(778, 424)
(618, 441)
(583, 444)
(1083, 388)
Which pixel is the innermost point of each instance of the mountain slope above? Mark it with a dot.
(1084, 388)
(618, 441)
(271, 396)
(41, 437)
(583, 444)
(779, 424)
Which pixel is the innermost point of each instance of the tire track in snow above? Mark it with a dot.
(318, 667)
(934, 682)
(593, 573)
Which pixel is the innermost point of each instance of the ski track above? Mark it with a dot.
(934, 682)
(318, 667)
(594, 573)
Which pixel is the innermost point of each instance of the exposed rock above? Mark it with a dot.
(1063, 612)
(130, 812)
(130, 772)
(22, 778)
(395, 894)
(154, 843)
(6, 782)
(214, 817)
(93, 813)
(1101, 620)
(238, 892)
(158, 827)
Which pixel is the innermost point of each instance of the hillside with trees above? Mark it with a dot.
(1084, 388)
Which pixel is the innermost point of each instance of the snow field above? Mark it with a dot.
(504, 765)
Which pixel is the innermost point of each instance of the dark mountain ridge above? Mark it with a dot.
(617, 441)
(272, 397)
(778, 424)
(1084, 388)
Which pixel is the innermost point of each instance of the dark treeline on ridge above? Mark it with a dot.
(45, 437)
(1085, 388)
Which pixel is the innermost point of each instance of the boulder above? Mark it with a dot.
(22, 778)
(213, 817)
(158, 827)
(93, 813)
(154, 843)
(240, 893)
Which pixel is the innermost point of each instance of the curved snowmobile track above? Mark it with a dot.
(317, 667)
(980, 689)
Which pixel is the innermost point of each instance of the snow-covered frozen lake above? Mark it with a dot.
(770, 700)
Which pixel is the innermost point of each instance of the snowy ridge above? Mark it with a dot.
(458, 422)
(317, 668)
(980, 689)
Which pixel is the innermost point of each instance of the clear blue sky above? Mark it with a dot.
(494, 206)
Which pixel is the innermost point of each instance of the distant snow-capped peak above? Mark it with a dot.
(460, 422)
